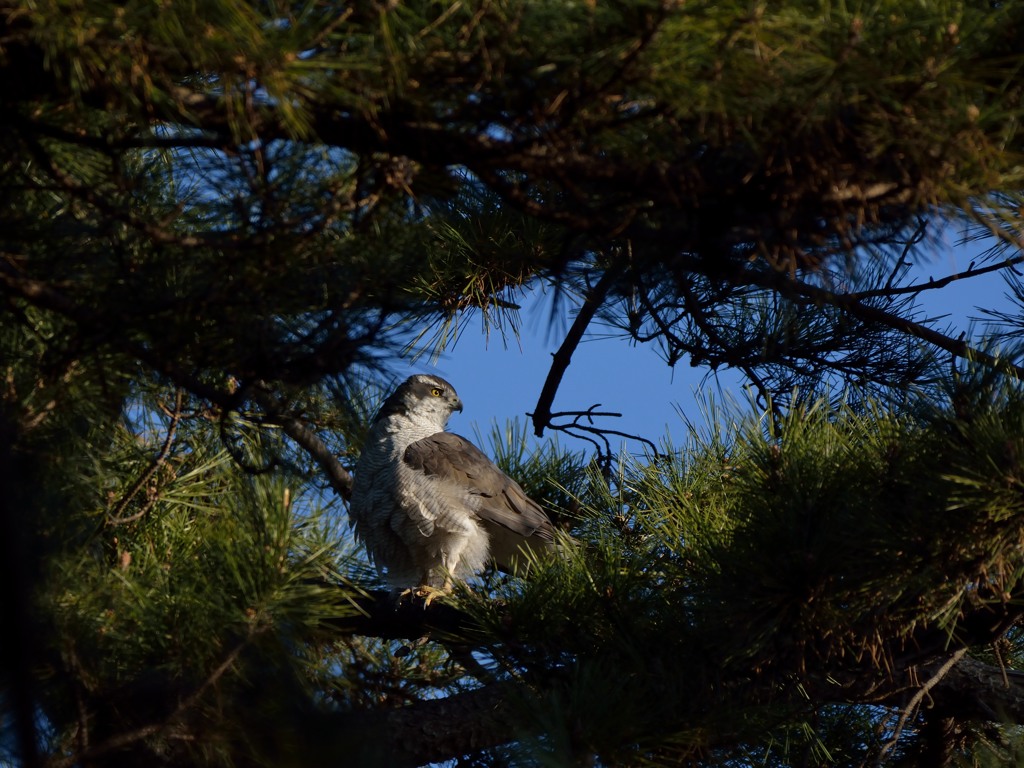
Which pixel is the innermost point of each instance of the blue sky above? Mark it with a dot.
(501, 380)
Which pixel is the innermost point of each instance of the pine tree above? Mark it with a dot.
(219, 223)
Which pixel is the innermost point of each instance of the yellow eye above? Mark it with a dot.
(435, 391)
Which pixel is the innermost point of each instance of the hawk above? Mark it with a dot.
(428, 504)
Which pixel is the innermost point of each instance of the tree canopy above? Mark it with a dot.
(221, 223)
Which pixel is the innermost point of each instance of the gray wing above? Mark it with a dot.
(510, 517)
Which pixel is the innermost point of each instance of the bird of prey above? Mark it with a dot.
(428, 504)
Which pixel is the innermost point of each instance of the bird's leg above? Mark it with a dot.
(427, 588)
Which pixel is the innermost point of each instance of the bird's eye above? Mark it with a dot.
(435, 391)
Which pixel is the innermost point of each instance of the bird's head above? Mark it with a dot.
(423, 397)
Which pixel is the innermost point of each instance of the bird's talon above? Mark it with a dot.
(429, 594)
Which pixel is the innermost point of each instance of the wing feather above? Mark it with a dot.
(502, 502)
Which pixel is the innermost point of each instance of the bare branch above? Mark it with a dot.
(915, 701)
(941, 282)
(576, 426)
(560, 363)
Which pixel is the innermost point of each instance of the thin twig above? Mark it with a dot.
(589, 415)
(936, 283)
(915, 703)
(115, 518)
(916, 236)
(1001, 661)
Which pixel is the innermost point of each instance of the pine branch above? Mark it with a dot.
(444, 729)
(969, 689)
(956, 347)
(379, 614)
(958, 686)
(802, 292)
(339, 477)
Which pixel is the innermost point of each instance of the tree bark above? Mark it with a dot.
(432, 730)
